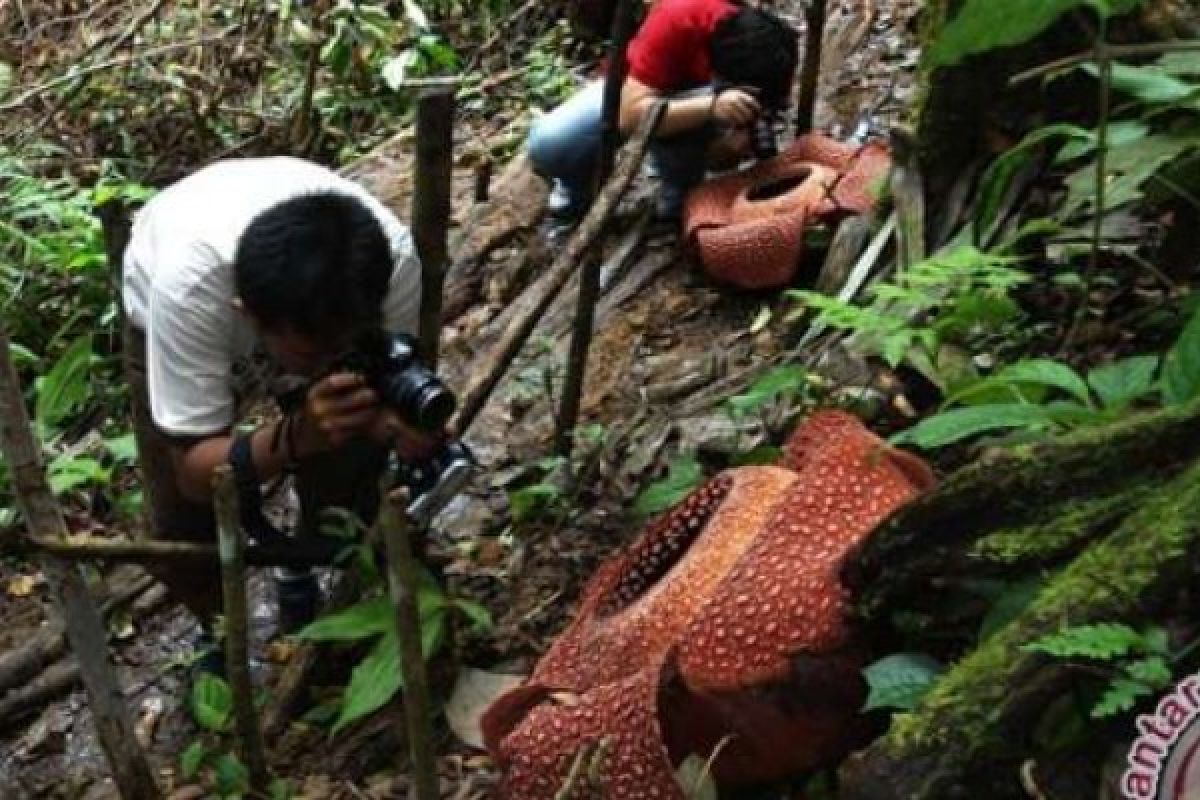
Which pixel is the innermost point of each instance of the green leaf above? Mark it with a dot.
(1181, 369)
(683, 475)
(694, 778)
(1103, 641)
(233, 779)
(954, 426)
(1186, 62)
(378, 677)
(983, 25)
(122, 448)
(528, 501)
(192, 759)
(1044, 372)
(65, 388)
(1000, 173)
(6, 78)
(767, 388)
(900, 680)
(373, 682)
(1150, 85)
(479, 616)
(68, 472)
(212, 703)
(280, 789)
(1123, 382)
(1154, 671)
(1121, 133)
(1127, 167)
(1121, 695)
(362, 621)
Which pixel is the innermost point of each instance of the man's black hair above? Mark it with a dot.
(318, 264)
(755, 48)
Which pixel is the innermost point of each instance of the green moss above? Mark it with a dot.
(1106, 582)
(1059, 532)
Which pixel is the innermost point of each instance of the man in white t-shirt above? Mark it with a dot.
(241, 281)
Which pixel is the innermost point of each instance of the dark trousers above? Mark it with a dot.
(346, 478)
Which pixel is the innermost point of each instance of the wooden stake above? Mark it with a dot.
(231, 542)
(431, 207)
(533, 303)
(624, 24)
(85, 629)
(810, 76)
(402, 580)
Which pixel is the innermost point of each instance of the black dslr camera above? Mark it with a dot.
(392, 367)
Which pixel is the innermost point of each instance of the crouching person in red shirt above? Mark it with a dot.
(719, 63)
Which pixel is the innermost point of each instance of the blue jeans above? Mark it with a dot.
(565, 143)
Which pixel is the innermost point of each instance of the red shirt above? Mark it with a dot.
(670, 51)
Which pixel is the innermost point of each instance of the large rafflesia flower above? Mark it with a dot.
(724, 622)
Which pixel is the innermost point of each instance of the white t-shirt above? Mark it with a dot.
(202, 356)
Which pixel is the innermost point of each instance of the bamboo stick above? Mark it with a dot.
(231, 541)
(402, 580)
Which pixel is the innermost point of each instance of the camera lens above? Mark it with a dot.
(420, 397)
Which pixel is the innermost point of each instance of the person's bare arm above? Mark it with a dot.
(731, 107)
(336, 408)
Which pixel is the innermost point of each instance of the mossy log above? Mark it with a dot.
(981, 711)
(1012, 492)
(1117, 508)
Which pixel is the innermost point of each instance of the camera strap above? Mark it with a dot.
(249, 491)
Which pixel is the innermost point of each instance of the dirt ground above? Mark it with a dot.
(660, 340)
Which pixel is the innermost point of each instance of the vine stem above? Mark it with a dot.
(1103, 57)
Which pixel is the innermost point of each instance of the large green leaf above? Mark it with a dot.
(683, 476)
(995, 181)
(212, 703)
(961, 423)
(1123, 382)
(362, 621)
(373, 682)
(1120, 133)
(1181, 370)
(1150, 85)
(372, 617)
(378, 677)
(65, 388)
(1038, 372)
(68, 472)
(900, 680)
(1185, 62)
(983, 25)
(1128, 166)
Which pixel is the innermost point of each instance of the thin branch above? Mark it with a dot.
(112, 63)
(1114, 51)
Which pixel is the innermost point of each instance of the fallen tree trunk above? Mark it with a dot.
(1015, 486)
(979, 711)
